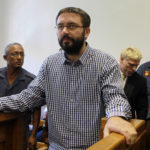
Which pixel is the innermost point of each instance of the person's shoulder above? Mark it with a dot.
(2, 71)
(54, 58)
(146, 64)
(141, 69)
(101, 55)
(57, 55)
(96, 51)
(28, 74)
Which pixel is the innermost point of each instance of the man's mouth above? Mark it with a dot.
(18, 63)
(66, 40)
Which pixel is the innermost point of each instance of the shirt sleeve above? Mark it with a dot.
(114, 98)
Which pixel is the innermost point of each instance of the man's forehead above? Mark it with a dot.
(69, 17)
(133, 61)
(16, 47)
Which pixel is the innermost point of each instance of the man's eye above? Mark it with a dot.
(60, 26)
(72, 26)
(14, 54)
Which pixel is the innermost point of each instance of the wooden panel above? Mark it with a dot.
(13, 131)
(5, 136)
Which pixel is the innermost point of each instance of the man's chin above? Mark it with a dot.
(69, 52)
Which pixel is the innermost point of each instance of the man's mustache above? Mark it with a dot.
(67, 37)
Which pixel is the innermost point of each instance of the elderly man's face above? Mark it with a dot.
(15, 56)
(128, 66)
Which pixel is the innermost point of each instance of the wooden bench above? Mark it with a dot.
(116, 141)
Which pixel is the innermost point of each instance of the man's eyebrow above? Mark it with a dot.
(132, 64)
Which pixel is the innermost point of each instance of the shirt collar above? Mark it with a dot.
(21, 75)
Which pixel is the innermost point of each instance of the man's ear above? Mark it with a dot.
(121, 59)
(5, 57)
(87, 32)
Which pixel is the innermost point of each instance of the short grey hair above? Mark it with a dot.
(6, 50)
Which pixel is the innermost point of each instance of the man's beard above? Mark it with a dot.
(76, 46)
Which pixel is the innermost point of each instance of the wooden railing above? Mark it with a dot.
(116, 141)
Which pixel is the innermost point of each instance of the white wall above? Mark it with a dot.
(116, 24)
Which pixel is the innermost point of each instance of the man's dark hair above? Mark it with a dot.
(84, 16)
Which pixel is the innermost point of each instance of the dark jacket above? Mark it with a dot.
(136, 92)
(21, 82)
(144, 70)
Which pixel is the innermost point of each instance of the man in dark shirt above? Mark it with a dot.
(14, 79)
(135, 85)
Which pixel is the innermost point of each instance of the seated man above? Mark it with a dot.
(135, 85)
(13, 79)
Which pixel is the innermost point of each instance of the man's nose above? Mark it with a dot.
(134, 68)
(65, 29)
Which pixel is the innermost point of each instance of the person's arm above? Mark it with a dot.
(45, 131)
(119, 125)
(113, 96)
(36, 119)
(116, 103)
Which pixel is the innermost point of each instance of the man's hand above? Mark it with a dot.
(121, 126)
(32, 142)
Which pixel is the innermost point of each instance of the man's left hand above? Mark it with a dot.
(121, 126)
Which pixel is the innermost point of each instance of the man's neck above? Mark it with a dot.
(12, 74)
